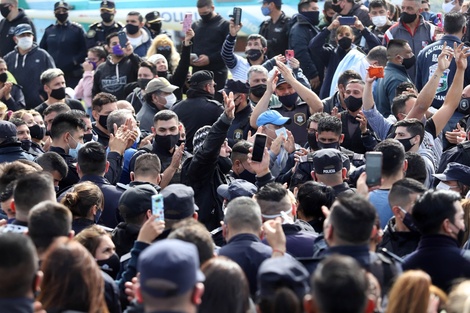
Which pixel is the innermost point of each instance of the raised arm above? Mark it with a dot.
(263, 103)
(229, 44)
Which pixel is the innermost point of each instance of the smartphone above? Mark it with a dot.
(237, 15)
(122, 39)
(347, 20)
(376, 71)
(374, 168)
(193, 57)
(157, 207)
(289, 54)
(188, 20)
(258, 147)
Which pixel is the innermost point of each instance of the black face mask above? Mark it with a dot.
(246, 175)
(312, 16)
(156, 27)
(165, 52)
(290, 100)
(103, 120)
(37, 132)
(5, 9)
(107, 17)
(87, 137)
(206, 17)
(180, 141)
(48, 132)
(460, 237)
(406, 143)
(331, 145)
(258, 90)
(61, 17)
(345, 43)
(110, 266)
(312, 141)
(253, 54)
(3, 77)
(409, 62)
(407, 18)
(26, 144)
(132, 29)
(225, 164)
(329, 19)
(166, 143)
(58, 93)
(142, 82)
(162, 74)
(409, 222)
(336, 8)
(353, 104)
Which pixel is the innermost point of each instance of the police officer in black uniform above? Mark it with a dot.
(153, 22)
(65, 42)
(97, 33)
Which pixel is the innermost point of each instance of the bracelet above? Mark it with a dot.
(279, 251)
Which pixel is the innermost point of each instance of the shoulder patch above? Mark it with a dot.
(76, 24)
(91, 33)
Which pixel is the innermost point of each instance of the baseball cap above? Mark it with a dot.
(280, 80)
(178, 201)
(272, 117)
(237, 188)
(107, 5)
(23, 29)
(169, 268)
(327, 161)
(279, 272)
(7, 129)
(455, 171)
(153, 16)
(136, 200)
(160, 84)
(61, 4)
(235, 86)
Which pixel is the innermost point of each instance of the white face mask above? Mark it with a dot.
(25, 43)
(379, 21)
(170, 100)
(281, 131)
(447, 7)
(442, 186)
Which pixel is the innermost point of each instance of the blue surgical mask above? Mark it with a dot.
(281, 131)
(266, 11)
(73, 152)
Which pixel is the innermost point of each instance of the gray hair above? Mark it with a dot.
(257, 69)
(48, 75)
(243, 213)
(118, 117)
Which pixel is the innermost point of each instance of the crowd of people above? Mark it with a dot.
(98, 125)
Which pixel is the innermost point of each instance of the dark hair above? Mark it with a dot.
(264, 42)
(395, 46)
(165, 115)
(147, 164)
(339, 285)
(225, 288)
(110, 36)
(240, 150)
(402, 190)
(304, 4)
(18, 265)
(204, 3)
(283, 300)
(454, 22)
(327, 5)
(311, 197)
(17, 122)
(101, 99)
(135, 13)
(330, 124)
(402, 87)
(66, 122)
(271, 192)
(316, 117)
(432, 208)
(399, 103)
(9, 173)
(378, 4)
(347, 76)
(91, 238)
(47, 221)
(56, 107)
(378, 54)
(352, 217)
(413, 126)
(92, 158)
(393, 156)
(52, 161)
(82, 197)
(152, 67)
(32, 189)
(416, 167)
(99, 51)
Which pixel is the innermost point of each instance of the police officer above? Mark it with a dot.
(153, 22)
(97, 33)
(65, 42)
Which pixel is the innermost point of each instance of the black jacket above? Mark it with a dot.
(7, 29)
(124, 236)
(397, 242)
(10, 152)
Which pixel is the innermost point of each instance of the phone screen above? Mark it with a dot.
(373, 168)
(157, 207)
(188, 20)
(258, 147)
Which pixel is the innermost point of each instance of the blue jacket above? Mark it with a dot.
(249, 252)
(12, 152)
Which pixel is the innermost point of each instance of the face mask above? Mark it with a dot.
(408, 221)
(142, 82)
(253, 54)
(379, 21)
(409, 62)
(290, 100)
(266, 11)
(87, 137)
(336, 8)
(117, 51)
(103, 120)
(281, 131)
(58, 93)
(407, 18)
(345, 43)
(132, 29)
(165, 52)
(246, 175)
(73, 152)
(170, 100)
(331, 145)
(312, 141)
(107, 17)
(447, 7)
(5, 10)
(353, 104)
(206, 17)
(258, 90)
(425, 15)
(165, 143)
(162, 74)
(61, 17)
(460, 236)
(443, 186)
(225, 164)
(98, 215)
(312, 16)
(25, 43)
(3, 77)
(156, 27)
(56, 189)
(329, 19)
(406, 142)
(26, 144)
(110, 266)
(94, 64)
(37, 132)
